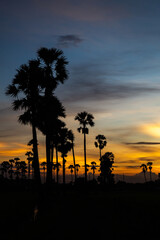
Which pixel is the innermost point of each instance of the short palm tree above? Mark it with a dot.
(144, 169)
(84, 119)
(77, 166)
(71, 138)
(44, 164)
(93, 168)
(11, 167)
(29, 155)
(71, 167)
(5, 166)
(100, 143)
(64, 147)
(149, 164)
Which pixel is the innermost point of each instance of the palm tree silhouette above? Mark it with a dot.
(100, 143)
(71, 167)
(106, 168)
(50, 110)
(93, 168)
(149, 164)
(5, 166)
(144, 169)
(23, 167)
(84, 119)
(43, 164)
(71, 138)
(54, 65)
(11, 166)
(25, 90)
(77, 166)
(29, 155)
(64, 147)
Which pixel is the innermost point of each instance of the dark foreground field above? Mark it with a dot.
(78, 213)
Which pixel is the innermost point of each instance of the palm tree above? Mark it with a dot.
(50, 110)
(57, 165)
(71, 138)
(64, 147)
(54, 65)
(149, 164)
(53, 168)
(23, 167)
(77, 166)
(93, 168)
(106, 168)
(11, 166)
(144, 169)
(100, 143)
(25, 89)
(5, 166)
(84, 119)
(71, 167)
(43, 164)
(29, 155)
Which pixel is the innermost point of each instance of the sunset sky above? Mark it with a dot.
(113, 49)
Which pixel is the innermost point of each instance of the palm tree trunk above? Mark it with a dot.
(57, 165)
(49, 174)
(85, 162)
(150, 176)
(29, 167)
(100, 153)
(51, 155)
(74, 163)
(145, 177)
(64, 180)
(37, 177)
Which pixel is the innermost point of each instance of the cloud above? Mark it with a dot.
(98, 80)
(69, 40)
(140, 148)
(148, 159)
(143, 143)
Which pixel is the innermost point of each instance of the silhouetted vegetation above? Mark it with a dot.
(33, 92)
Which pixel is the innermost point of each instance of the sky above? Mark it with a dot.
(113, 49)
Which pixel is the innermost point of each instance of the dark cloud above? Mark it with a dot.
(148, 159)
(132, 167)
(140, 148)
(143, 143)
(127, 161)
(69, 40)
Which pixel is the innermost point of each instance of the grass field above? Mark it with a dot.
(119, 213)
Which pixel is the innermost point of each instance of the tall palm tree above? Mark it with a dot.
(25, 89)
(149, 164)
(84, 119)
(100, 143)
(144, 169)
(54, 65)
(71, 138)
(93, 168)
(49, 112)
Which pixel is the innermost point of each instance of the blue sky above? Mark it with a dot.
(113, 49)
